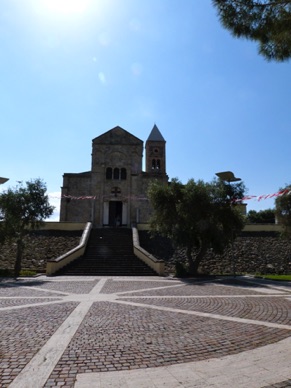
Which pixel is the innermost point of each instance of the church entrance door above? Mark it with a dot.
(115, 213)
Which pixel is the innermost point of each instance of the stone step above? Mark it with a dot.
(109, 252)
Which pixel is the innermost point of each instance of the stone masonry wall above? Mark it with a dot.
(40, 246)
(257, 252)
(263, 252)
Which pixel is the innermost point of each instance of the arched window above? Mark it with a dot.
(158, 164)
(123, 173)
(153, 164)
(109, 173)
(116, 173)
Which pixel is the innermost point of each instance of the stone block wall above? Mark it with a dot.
(40, 246)
(253, 252)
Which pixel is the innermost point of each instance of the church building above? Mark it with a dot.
(114, 192)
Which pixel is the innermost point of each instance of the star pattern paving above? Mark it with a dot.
(114, 324)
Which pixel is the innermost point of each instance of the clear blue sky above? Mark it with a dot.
(71, 70)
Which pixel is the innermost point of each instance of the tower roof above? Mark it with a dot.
(155, 135)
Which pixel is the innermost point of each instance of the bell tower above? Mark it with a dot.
(156, 152)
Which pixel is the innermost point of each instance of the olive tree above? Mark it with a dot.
(266, 216)
(197, 216)
(283, 209)
(283, 215)
(22, 208)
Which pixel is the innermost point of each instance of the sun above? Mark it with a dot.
(66, 6)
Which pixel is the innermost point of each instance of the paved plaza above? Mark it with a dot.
(144, 332)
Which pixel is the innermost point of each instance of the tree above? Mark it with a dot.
(261, 217)
(266, 21)
(197, 216)
(22, 208)
(283, 214)
(283, 209)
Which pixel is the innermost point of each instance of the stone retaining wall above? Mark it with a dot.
(40, 246)
(261, 252)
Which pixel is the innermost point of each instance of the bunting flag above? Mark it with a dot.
(72, 197)
(94, 197)
(266, 196)
(245, 198)
(82, 197)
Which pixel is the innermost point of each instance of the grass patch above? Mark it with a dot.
(283, 278)
(27, 272)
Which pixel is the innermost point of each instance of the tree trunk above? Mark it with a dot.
(194, 264)
(19, 253)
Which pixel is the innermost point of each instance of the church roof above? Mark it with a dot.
(117, 135)
(155, 135)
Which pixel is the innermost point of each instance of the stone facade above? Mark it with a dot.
(114, 192)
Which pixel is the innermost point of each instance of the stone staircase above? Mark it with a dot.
(109, 252)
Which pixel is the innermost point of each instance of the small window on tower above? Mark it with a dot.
(158, 164)
(123, 173)
(109, 173)
(116, 173)
(153, 164)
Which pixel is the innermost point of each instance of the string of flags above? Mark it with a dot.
(266, 196)
(82, 197)
(71, 197)
(245, 198)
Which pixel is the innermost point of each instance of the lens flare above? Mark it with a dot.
(66, 6)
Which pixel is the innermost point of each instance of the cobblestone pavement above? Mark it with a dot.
(144, 332)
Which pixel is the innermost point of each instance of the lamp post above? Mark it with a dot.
(228, 176)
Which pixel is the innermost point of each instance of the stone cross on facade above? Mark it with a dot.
(115, 191)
